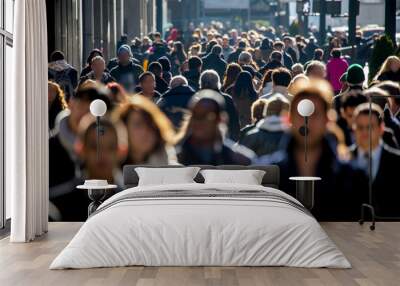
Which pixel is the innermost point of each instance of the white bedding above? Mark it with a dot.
(202, 231)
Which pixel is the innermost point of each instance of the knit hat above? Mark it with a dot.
(355, 75)
(124, 48)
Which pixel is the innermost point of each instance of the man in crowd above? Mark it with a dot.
(156, 69)
(287, 59)
(281, 78)
(336, 196)
(275, 61)
(234, 56)
(98, 72)
(209, 79)
(289, 43)
(213, 61)
(62, 73)
(266, 137)
(316, 70)
(349, 102)
(385, 196)
(226, 47)
(354, 79)
(193, 74)
(204, 142)
(126, 72)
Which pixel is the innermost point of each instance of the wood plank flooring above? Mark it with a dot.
(375, 257)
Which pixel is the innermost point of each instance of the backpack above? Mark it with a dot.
(63, 79)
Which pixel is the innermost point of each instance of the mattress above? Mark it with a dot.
(201, 225)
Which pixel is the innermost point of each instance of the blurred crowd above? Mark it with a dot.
(220, 97)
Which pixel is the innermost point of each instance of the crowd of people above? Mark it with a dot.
(222, 97)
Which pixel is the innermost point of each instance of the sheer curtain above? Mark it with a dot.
(26, 124)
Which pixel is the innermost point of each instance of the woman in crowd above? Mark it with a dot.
(56, 103)
(232, 72)
(111, 150)
(147, 83)
(71, 204)
(335, 68)
(150, 133)
(178, 57)
(390, 70)
(244, 94)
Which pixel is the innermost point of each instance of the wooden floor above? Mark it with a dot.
(375, 257)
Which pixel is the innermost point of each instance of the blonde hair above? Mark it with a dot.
(386, 65)
(155, 117)
(60, 94)
(316, 88)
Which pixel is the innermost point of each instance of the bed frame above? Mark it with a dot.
(270, 179)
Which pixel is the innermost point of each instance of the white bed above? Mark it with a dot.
(201, 225)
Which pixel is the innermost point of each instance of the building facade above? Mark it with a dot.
(77, 26)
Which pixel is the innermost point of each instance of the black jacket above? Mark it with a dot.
(127, 76)
(114, 62)
(226, 154)
(193, 78)
(292, 53)
(270, 66)
(106, 78)
(174, 103)
(389, 75)
(340, 193)
(287, 61)
(385, 189)
(214, 62)
(62, 167)
(161, 85)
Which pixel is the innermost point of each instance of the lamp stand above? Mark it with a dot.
(305, 138)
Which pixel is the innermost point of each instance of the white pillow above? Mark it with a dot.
(247, 177)
(166, 176)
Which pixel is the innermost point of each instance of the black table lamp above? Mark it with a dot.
(305, 185)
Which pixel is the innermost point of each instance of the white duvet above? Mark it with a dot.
(203, 231)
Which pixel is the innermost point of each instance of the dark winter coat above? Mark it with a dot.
(127, 76)
(215, 62)
(174, 103)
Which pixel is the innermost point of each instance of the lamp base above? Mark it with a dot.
(305, 190)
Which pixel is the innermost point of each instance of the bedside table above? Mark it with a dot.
(96, 194)
(305, 190)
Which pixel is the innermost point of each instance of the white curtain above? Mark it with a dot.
(26, 124)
